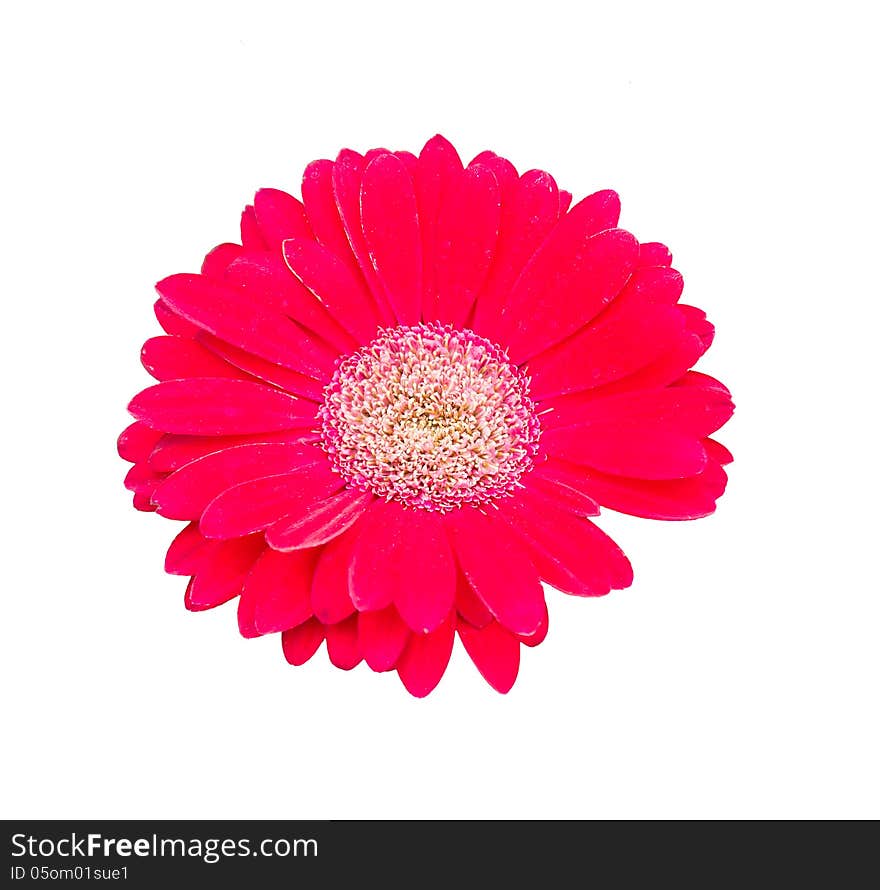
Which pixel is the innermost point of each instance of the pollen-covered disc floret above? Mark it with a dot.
(431, 416)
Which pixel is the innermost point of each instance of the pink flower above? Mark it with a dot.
(390, 412)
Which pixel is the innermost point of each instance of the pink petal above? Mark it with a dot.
(246, 620)
(622, 340)
(525, 222)
(206, 406)
(653, 253)
(172, 323)
(564, 202)
(347, 175)
(172, 451)
(702, 381)
(251, 237)
(320, 206)
(331, 600)
(409, 160)
(565, 285)
(425, 658)
(692, 410)
(383, 636)
(228, 314)
(628, 449)
(494, 651)
(323, 521)
(278, 586)
(267, 281)
(696, 321)
(136, 441)
(185, 493)
(171, 358)
(391, 231)
(718, 452)
(301, 643)
(560, 493)
(403, 556)
(466, 233)
(654, 284)
(253, 506)
(438, 167)
(221, 576)
(343, 646)
(188, 551)
(469, 605)
(268, 372)
(669, 499)
(570, 552)
(538, 637)
(141, 477)
(280, 216)
(334, 285)
(141, 501)
(217, 261)
(492, 558)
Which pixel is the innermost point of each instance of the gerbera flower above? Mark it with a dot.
(390, 412)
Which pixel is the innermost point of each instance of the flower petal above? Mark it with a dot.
(652, 253)
(570, 552)
(692, 410)
(538, 637)
(560, 492)
(466, 233)
(331, 599)
(343, 646)
(172, 323)
(622, 340)
(268, 372)
(185, 493)
(438, 167)
(424, 660)
(136, 441)
(469, 605)
(218, 260)
(403, 556)
(391, 231)
(278, 586)
(491, 557)
(717, 451)
(206, 406)
(526, 221)
(494, 651)
(320, 206)
(266, 279)
(383, 636)
(253, 506)
(347, 175)
(565, 285)
(251, 237)
(669, 499)
(172, 451)
(319, 522)
(171, 358)
(280, 216)
(188, 551)
(301, 643)
(221, 576)
(628, 449)
(227, 313)
(333, 283)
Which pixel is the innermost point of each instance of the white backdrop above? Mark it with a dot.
(736, 678)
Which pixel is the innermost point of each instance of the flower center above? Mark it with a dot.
(430, 416)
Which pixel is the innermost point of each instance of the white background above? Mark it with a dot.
(736, 678)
